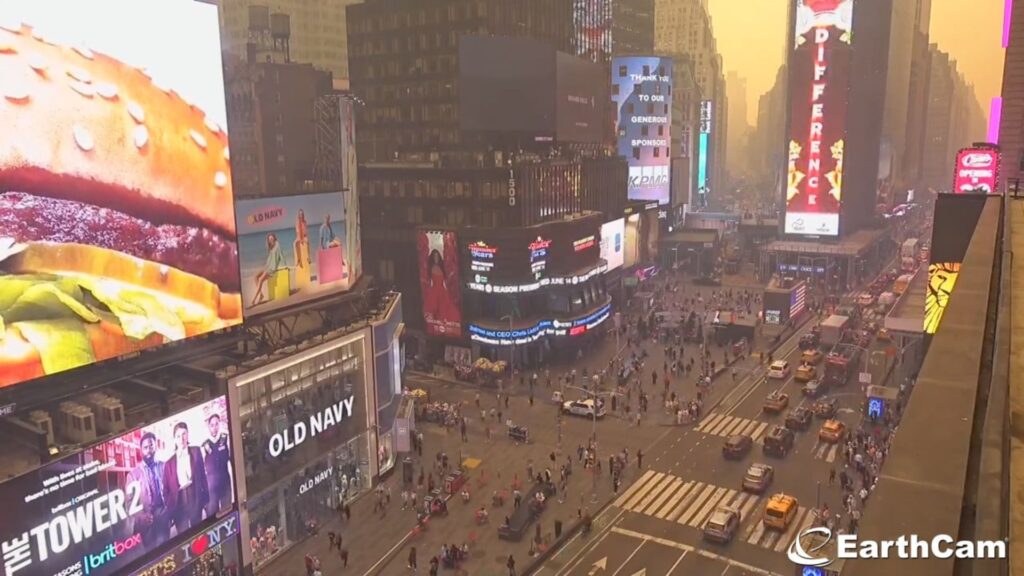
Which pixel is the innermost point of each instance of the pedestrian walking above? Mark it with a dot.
(477, 400)
(412, 558)
(832, 477)
(639, 458)
(343, 555)
(511, 563)
(462, 429)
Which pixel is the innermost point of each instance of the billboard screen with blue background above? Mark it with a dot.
(293, 248)
(642, 93)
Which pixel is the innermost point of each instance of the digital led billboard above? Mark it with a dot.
(818, 89)
(977, 170)
(97, 512)
(956, 217)
(613, 243)
(506, 85)
(117, 231)
(580, 99)
(592, 28)
(284, 262)
(440, 286)
(642, 94)
(703, 144)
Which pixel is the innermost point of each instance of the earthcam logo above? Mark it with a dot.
(912, 547)
(976, 160)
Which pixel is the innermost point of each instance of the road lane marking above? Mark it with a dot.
(748, 430)
(652, 493)
(832, 453)
(734, 428)
(640, 493)
(754, 532)
(680, 559)
(749, 507)
(693, 502)
(784, 539)
(678, 510)
(636, 485)
(709, 505)
(707, 421)
(804, 524)
(760, 431)
(665, 494)
(630, 557)
(668, 507)
(705, 553)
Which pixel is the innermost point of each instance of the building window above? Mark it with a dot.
(387, 270)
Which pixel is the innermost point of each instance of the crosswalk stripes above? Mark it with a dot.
(691, 503)
(717, 424)
(825, 451)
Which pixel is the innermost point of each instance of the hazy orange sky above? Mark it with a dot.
(751, 42)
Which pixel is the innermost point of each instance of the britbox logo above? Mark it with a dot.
(113, 550)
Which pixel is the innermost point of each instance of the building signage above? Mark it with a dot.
(318, 422)
(584, 243)
(819, 83)
(705, 117)
(642, 95)
(537, 285)
(977, 170)
(193, 549)
(539, 256)
(540, 329)
(96, 512)
(481, 257)
(511, 187)
(316, 480)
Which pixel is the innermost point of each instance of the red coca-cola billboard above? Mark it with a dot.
(977, 170)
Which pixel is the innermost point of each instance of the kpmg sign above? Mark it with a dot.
(642, 95)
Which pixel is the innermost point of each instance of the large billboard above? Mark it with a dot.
(117, 231)
(956, 217)
(818, 89)
(579, 104)
(294, 248)
(613, 243)
(703, 150)
(100, 511)
(642, 94)
(506, 85)
(592, 29)
(977, 170)
(440, 284)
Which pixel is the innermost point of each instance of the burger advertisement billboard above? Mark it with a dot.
(440, 284)
(121, 502)
(818, 86)
(977, 170)
(642, 93)
(293, 249)
(117, 228)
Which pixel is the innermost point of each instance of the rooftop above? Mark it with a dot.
(907, 314)
(851, 245)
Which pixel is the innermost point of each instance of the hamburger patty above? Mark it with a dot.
(28, 218)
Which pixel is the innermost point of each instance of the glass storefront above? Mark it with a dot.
(307, 448)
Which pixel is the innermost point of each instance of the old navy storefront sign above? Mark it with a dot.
(190, 551)
(320, 421)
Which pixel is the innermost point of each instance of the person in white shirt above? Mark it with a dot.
(186, 491)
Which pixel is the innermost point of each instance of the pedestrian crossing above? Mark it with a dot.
(717, 424)
(691, 503)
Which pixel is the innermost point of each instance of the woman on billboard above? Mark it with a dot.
(275, 262)
(301, 246)
(437, 299)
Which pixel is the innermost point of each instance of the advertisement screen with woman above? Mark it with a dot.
(439, 283)
(293, 248)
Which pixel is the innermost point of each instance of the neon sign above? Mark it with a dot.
(584, 243)
(483, 286)
(977, 170)
(540, 329)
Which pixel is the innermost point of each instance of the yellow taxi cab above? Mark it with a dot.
(780, 511)
(832, 431)
(883, 335)
(806, 373)
(812, 356)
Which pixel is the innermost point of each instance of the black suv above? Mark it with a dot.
(778, 441)
(799, 418)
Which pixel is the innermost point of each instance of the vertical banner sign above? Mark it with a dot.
(702, 151)
(642, 94)
(977, 170)
(439, 282)
(956, 217)
(818, 88)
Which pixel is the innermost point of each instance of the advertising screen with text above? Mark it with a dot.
(642, 94)
(440, 286)
(613, 243)
(101, 510)
(977, 171)
(818, 87)
(117, 228)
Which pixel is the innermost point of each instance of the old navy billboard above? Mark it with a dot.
(818, 87)
(642, 94)
(977, 170)
(100, 511)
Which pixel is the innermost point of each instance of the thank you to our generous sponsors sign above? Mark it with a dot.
(642, 94)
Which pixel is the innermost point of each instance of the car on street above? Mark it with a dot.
(775, 402)
(810, 340)
(779, 369)
(825, 408)
(799, 418)
(737, 446)
(722, 525)
(811, 356)
(779, 511)
(832, 431)
(813, 388)
(758, 478)
(778, 441)
(584, 408)
(806, 373)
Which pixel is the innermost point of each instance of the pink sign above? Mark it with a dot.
(977, 171)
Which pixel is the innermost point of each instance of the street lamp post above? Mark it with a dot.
(512, 355)
(595, 396)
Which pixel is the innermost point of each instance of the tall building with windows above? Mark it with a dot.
(318, 31)
(1011, 122)
(632, 27)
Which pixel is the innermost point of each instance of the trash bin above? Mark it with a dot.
(558, 529)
